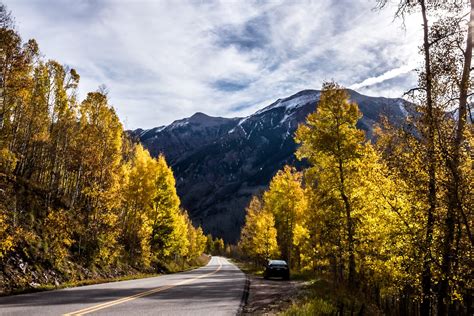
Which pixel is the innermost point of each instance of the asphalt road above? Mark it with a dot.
(215, 289)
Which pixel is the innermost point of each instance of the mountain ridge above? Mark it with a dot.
(219, 163)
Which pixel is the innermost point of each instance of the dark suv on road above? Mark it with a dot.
(277, 268)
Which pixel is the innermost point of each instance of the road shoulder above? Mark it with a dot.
(267, 297)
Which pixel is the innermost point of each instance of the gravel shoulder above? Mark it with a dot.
(269, 297)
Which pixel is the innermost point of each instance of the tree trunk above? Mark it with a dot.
(350, 227)
(426, 281)
(454, 203)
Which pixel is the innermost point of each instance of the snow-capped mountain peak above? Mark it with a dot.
(219, 163)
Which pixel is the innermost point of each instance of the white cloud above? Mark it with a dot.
(162, 59)
(390, 74)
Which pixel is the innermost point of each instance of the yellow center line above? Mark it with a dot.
(138, 295)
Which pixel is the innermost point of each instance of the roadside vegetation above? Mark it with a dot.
(382, 227)
(131, 275)
(79, 200)
(323, 297)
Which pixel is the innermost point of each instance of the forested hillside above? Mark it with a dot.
(78, 199)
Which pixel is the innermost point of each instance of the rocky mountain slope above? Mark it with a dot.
(219, 163)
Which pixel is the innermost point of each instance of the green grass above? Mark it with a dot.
(248, 267)
(173, 267)
(314, 307)
(302, 275)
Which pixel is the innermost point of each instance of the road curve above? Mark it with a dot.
(215, 289)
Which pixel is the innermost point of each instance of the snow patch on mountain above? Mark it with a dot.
(144, 132)
(286, 118)
(294, 101)
(177, 124)
(155, 131)
(290, 105)
(401, 105)
(241, 121)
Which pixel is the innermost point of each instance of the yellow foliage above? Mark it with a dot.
(196, 239)
(357, 209)
(7, 240)
(258, 236)
(8, 161)
(57, 235)
(286, 200)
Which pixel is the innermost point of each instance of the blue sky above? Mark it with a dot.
(165, 60)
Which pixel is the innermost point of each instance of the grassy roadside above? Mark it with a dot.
(172, 268)
(322, 297)
(198, 262)
(247, 268)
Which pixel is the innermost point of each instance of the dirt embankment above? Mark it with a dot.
(18, 275)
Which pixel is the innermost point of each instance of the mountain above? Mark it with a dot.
(219, 163)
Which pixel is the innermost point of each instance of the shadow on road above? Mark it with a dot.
(217, 287)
